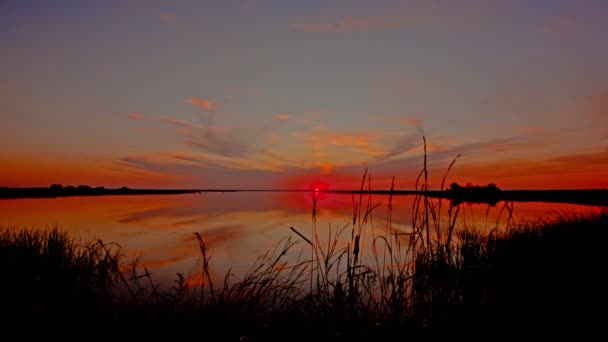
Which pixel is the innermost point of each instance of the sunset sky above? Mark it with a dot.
(279, 94)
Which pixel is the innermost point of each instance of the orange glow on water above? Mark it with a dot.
(235, 226)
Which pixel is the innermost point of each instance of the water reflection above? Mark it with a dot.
(237, 227)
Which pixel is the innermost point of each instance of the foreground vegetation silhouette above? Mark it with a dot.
(538, 275)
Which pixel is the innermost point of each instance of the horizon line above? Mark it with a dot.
(287, 190)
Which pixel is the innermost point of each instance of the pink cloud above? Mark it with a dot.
(201, 103)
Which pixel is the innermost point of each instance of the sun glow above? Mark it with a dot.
(318, 186)
(318, 189)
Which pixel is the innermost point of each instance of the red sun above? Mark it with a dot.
(318, 188)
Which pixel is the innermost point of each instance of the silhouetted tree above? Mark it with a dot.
(474, 193)
(455, 187)
(123, 189)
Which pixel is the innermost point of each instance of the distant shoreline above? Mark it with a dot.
(24, 193)
(597, 197)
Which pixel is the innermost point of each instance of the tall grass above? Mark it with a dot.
(46, 272)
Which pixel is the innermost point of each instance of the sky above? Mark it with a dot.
(281, 94)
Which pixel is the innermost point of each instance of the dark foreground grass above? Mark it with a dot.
(543, 277)
(46, 270)
(547, 276)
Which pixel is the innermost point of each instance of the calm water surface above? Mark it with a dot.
(237, 227)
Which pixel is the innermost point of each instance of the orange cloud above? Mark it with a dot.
(281, 117)
(352, 24)
(201, 103)
(357, 139)
(372, 152)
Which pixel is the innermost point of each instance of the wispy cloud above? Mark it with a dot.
(325, 136)
(201, 103)
(402, 146)
(196, 164)
(239, 147)
(370, 151)
(218, 145)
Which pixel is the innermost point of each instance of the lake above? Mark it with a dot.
(237, 227)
